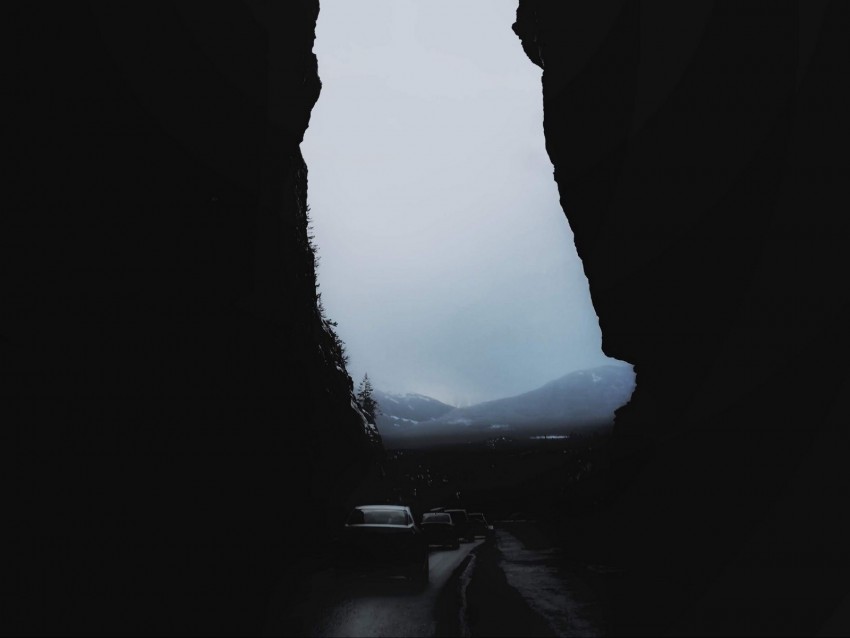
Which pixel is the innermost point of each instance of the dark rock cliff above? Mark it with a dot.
(700, 153)
(175, 428)
(178, 427)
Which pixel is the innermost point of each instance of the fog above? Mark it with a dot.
(444, 254)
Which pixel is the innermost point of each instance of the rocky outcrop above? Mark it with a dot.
(177, 417)
(161, 353)
(696, 150)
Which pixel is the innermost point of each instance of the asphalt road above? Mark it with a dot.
(516, 584)
(362, 606)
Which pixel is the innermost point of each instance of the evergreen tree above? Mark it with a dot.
(367, 400)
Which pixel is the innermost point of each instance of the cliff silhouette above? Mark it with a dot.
(178, 437)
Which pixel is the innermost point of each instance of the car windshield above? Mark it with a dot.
(436, 518)
(378, 517)
(458, 515)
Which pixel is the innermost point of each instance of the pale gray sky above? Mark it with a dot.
(444, 254)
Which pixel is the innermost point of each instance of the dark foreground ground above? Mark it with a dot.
(522, 585)
(512, 584)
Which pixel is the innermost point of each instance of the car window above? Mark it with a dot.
(379, 517)
(436, 518)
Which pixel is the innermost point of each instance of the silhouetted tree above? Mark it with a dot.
(365, 395)
(371, 409)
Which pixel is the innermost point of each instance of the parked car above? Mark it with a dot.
(460, 518)
(383, 540)
(480, 526)
(440, 530)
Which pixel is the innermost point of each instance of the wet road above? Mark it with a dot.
(515, 584)
(361, 606)
(552, 592)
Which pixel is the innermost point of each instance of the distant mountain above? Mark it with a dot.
(581, 398)
(404, 410)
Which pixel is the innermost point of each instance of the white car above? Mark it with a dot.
(383, 539)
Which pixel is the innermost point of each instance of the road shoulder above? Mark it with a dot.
(487, 604)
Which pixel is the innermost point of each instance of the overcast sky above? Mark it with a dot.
(444, 254)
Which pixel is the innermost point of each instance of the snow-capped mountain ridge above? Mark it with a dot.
(404, 410)
(583, 397)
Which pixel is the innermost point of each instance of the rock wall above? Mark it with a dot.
(178, 428)
(699, 150)
(165, 466)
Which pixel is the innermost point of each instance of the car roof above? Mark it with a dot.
(382, 507)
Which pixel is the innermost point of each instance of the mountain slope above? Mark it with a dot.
(583, 397)
(404, 410)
